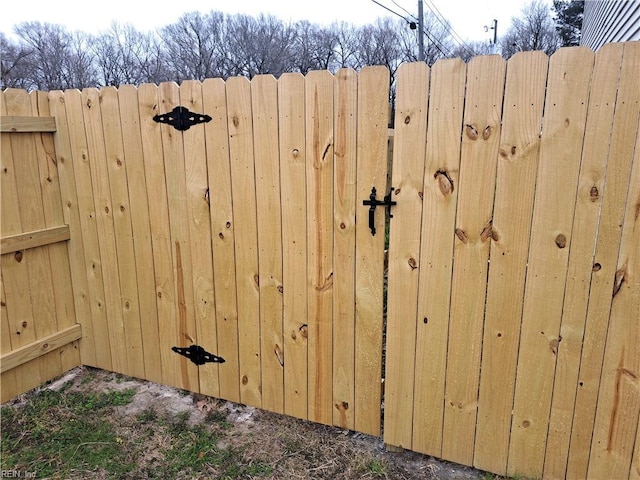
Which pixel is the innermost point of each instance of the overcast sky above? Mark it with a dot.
(467, 17)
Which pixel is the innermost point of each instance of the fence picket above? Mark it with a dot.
(243, 188)
(441, 188)
(617, 417)
(404, 249)
(372, 170)
(344, 247)
(551, 236)
(264, 100)
(222, 237)
(140, 229)
(513, 205)
(319, 139)
(473, 237)
(292, 127)
(127, 302)
(198, 224)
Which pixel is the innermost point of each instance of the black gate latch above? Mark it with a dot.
(198, 355)
(373, 203)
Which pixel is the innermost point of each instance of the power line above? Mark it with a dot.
(392, 11)
(434, 40)
(446, 24)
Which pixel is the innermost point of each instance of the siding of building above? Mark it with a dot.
(608, 21)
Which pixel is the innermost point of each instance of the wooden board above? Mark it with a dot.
(319, 164)
(372, 163)
(175, 180)
(138, 209)
(293, 192)
(581, 276)
(40, 347)
(29, 205)
(243, 189)
(53, 216)
(404, 251)
(264, 100)
(107, 257)
(222, 238)
(160, 232)
(472, 242)
(344, 246)
(116, 166)
(618, 408)
(71, 215)
(551, 237)
(516, 177)
(38, 238)
(197, 186)
(441, 186)
(22, 124)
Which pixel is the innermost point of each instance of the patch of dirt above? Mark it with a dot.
(291, 448)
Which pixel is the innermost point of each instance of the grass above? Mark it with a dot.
(98, 426)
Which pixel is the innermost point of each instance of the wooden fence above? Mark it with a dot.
(513, 338)
(513, 307)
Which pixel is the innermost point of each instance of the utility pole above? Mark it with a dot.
(495, 36)
(421, 32)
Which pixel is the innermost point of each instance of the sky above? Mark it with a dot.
(467, 17)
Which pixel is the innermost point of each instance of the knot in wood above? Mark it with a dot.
(471, 131)
(561, 240)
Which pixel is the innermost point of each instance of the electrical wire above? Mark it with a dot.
(433, 40)
(438, 15)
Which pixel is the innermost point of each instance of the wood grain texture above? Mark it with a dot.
(618, 409)
(441, 187)
(138, 207)
(22, 124)
(372, 170)
(404, 251)
(222, 237)
(511, 230)
(293, 192)
(319, 165)
(551, 234)
(344, 246)
(243, 187)
(199, 227)
(264, 100)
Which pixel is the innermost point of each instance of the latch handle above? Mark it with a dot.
(373, 203)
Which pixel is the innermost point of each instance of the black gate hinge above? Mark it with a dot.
(181, 118)
(198, 355)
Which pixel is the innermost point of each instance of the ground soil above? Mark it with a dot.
(292, 448)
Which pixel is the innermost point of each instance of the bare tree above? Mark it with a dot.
(124, 55)
(59, 59)
(193, 46)
(313, 47)
(14, 64)
(534, 29)
(346, 45)
(472, 49)
(260, 45)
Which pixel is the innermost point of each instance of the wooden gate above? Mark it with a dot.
(238, 235)
(37, 311)
(513, 339)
